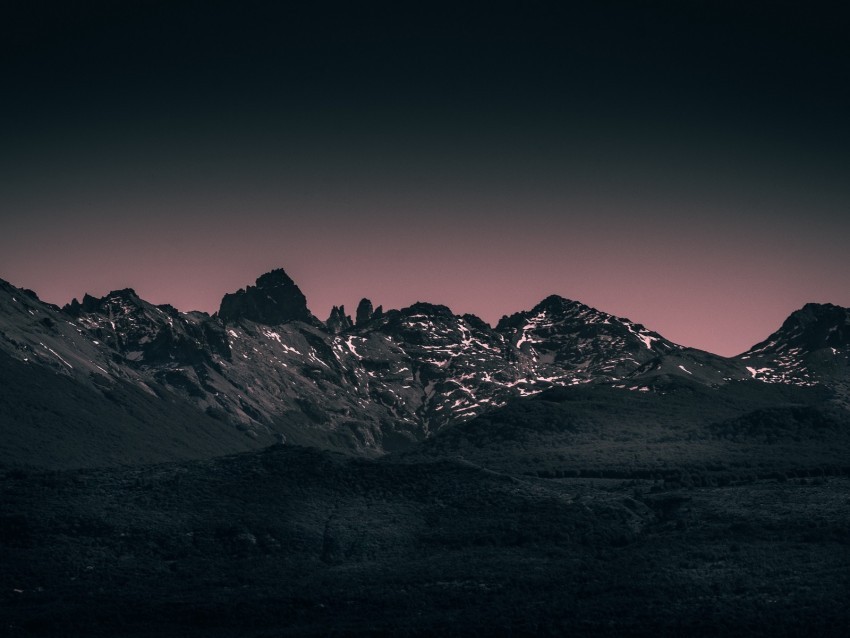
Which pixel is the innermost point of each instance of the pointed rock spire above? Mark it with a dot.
(338, 320)
(364, 311)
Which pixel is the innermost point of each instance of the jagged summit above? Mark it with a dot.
(812, 344)
(123, 293)
(426, 308)
(274, 278)
(275, 299)
(338, 321)
(554, 305)
(116, 301)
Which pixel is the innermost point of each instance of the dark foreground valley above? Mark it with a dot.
(293, 541)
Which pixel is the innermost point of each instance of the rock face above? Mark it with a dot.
(273, 301)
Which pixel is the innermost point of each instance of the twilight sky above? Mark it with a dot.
(683, 164)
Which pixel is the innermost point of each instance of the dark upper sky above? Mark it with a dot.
(684, 164)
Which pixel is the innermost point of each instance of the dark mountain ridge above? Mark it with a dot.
(265, 366)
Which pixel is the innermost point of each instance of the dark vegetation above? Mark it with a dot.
(297, 541)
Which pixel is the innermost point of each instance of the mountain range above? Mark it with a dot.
(117, 379)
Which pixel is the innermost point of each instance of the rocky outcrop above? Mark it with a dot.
(273, 301)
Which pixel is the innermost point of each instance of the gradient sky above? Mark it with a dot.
(683, 164)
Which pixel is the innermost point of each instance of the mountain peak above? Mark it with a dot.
(338, 321)
(816, 325)
(812, 344)
(274, 300)
(820, 311)
(124, 300)
(426, 308)
(274, 279)
(556, 303)
(123, 293)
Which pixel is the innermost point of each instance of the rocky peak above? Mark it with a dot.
(275, 279)
(338, 321)
(428, 309)
(145, 334)
(822, 325)
(812, 327)
(553, 306)
(118, 302)
(558, 304)
(477, 322)
(364, 312)
(421, 323)
(274, 300)
(811, 346)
